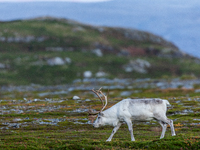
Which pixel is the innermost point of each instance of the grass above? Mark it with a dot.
(37, 129)
(31, 67)
(26, 62)
(30, 121)
(47, 137)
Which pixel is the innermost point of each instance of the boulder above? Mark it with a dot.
(138, 65)
(76, 98)
(87, 74)
(55, 61)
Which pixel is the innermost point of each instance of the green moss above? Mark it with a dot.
(66, 123)
(77, 45)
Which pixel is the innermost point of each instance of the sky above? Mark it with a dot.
(177, 21)
(54, 1)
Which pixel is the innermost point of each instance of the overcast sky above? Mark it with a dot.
(53, 0)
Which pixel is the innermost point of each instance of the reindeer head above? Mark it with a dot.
(94, 114)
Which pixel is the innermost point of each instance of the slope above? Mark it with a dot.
(50, 51)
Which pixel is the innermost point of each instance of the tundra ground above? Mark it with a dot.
(29, 121)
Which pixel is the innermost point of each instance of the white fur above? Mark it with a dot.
(129, 110)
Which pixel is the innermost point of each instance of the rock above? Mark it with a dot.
(197, 91)
(17, 119)
(76, 98)
(101, 74)
(2, 39)
(15, 125)
(98, 52)
(55, 61)
(188, 86)
(2, 66)
(100, 29)
(87, 74)
(68, 60)
(126, 93)
(138, 65)
(54, 49)
(78, 29)
(29, 38)
(87, 100)
(80, 110)
(25, 39)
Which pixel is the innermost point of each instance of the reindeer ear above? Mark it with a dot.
(101, 114)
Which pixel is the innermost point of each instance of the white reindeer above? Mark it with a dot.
(129, 110)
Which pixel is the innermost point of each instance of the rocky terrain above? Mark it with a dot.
(53, 51)
(56, 117)
(48, 67)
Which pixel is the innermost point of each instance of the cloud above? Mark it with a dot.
(82, 1)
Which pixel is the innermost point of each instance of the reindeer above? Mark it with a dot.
(128, 110)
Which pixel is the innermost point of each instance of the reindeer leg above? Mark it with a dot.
(170, 122)
(164, 127)
(166, 121)
(130, 128)
(113, 132)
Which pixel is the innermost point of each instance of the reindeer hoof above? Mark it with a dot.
(174, 135)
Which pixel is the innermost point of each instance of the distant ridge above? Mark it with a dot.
(128, 34)
(48, 50)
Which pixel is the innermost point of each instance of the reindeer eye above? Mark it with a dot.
(99, 117)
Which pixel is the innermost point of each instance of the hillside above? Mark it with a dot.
(56, 51)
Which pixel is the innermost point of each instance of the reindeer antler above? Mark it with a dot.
(106, 101)
(97, 92)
